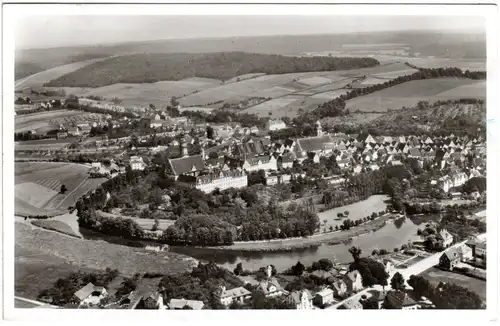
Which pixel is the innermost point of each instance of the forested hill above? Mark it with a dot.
(153, 67)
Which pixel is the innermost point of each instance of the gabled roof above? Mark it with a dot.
(187, 164)
(181, 303)
(398, 299)
(297, 295)
(234, 293)
(312, 144)
(87, 290)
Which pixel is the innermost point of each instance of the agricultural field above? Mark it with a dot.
(37, 187)
(410, 93)
(40, 78)
(375, 203)
(44, 144)
(50, 120)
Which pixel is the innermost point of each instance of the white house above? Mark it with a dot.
(226, 297)
(324, 297)
(447, 238)
(354, 281)
(137, 163)
(90, 294)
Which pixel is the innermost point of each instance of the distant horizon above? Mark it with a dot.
(108, 30)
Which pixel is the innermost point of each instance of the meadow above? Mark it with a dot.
(37, 187)
(410, 93)
(356, 211)
(42, 257)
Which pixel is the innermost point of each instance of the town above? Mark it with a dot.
(307, 181)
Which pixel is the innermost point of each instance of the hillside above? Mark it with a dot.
(452, 116)
(426, 43)
(154, 67)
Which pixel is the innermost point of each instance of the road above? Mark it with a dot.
(415, 269)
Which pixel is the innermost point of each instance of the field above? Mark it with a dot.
(435, 276)
(410, 93)
(357, 210)
(50, 120)
(38, 185)
(41, 257)
(145, 223)
(40, 78)
(44, 144)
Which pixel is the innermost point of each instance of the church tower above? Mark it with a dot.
(319, 130)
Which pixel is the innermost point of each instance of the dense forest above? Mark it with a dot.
(154, 67)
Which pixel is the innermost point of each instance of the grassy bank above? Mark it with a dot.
(41, 257)
(57, 226)
(291, 244)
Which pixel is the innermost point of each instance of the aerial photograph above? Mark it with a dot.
(250, 162)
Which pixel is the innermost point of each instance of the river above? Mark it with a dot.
(392, 235)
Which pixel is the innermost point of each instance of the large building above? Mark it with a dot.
(186, 165)
(275, 124)
(136, 163)
(216, 180)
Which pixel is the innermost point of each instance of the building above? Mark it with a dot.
(324, 297)
(266, 163)
(339, 289)
(275, 124)
(89, 295)
(272, 179)
(226, 297)
(301, 300)
(477, 246)
(137, 163)
(62, 134)
(379, 298)
(449, 259)
(271, 287)
(446, 237)
(180, 304)
(144, 300)
(399, 300)
(74, 131)
(215, 180)
(189, 165)
(354, 281)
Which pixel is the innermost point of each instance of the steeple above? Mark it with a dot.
(319, 130)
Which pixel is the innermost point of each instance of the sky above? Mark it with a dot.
(53, 31)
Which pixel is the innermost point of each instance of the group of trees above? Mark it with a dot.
(154, 67)
(445, 295)
(371, 271)
(121, 227)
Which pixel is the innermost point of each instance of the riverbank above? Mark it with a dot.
(290, 244)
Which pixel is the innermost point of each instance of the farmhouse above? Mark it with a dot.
(89, 295)
(449, 259)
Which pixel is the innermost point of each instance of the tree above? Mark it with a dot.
(355, 252)
(238, 269)
(325, 264)
(298, 269)
(398, 282)
(63, 189)
(421, 286)
(210, 132)
(155, 225)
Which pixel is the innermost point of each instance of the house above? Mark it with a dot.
(477, 246)
(89, 295)
(301, 300)
(74, 131)
(323, 297)
(287, 160)
(271, 287)
(351, 304)
(399, 300)
(379, 298)
(339, 289)
(226, 297)
(271, 180)
(179, 304)
(354, 281)
(446, 237)
(275, 124)
(62, 134)
(138, 300)
(86, 129)
(449, 259)
(137, 163)
(465, 252)
(266, 163)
